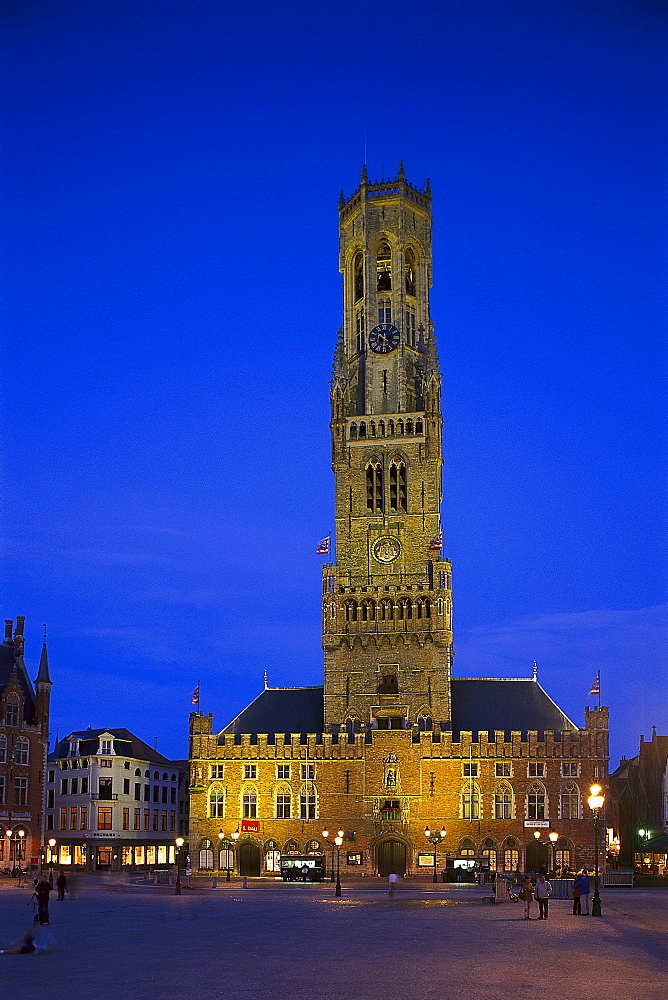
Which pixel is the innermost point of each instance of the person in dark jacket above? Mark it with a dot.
(42, 890)
(579, 887)
(61, 883)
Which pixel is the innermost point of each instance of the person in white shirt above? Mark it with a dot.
(543, 893)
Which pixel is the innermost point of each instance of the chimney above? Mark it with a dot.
(20, 622)
(9, 628)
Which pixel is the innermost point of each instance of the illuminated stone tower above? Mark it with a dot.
(387, 604)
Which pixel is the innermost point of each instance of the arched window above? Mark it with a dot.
(362, 430)
(360, 327)
(511, 855)
(471, 801)
(503, 801)
(358, 276)
(400, 427)
(147, 774)
(283, 802)
(489, 852)
(570, 801)
(217, 804)
(351, 611)
(381, 429)
(409, 426)
(372, 430)
(424, 608)
(21, 748)
(384, 311)
(313, 847)
(368, 611)
(425, 723)
(536, 801)
(418, 427)
(398, 486)
(332, 611)
(12, 710)
(353, 432)
(440, 606)
(3, 749)
(387, 610)
(384, 268)
(467, 848)
(206, 854)
(226, 858)
(374, 486)
(404, 609)
(409, 270)
(308, 801)
(156, 775)
(562, 854)
(137, 773)
(249, 802)
(353, 725)
(173, 777)
(292, 847)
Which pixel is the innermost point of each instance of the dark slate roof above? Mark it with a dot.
(477, 706)
(485, 705)
(125, 745)
(282, 710)
(7, 662)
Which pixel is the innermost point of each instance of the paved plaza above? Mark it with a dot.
(274, 941)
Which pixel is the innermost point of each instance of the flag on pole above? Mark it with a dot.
(195, 697)
(323, 547)
(595, 688)
(437, 541)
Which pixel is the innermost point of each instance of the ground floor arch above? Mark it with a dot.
(391, 857)
(249, 858)
(537, 857)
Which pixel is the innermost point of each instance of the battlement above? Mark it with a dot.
(386, 190)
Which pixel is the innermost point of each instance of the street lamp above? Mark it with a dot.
(338, 841)
(554, 837)
(10, 834)
(596, 800)
(52, 844)
(325, 834)
(179, 844)
(21, 834)
(221, 838)
(435, 839)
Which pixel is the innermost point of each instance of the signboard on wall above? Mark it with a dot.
(250, 826)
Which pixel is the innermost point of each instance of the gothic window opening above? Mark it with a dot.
(358, 276)
(362, 430)
(570, 801)
(398, 486)
(359, 325)
(536, 801)
(249, 804)
(410, 326)
(387, 611)
(409, 427)
(404, 609)
(384, 268)
(21, 752)
(353, 726)
(467, 848)
(353, 432)
(307, 804)
(372, 429)
(409, 270)
(391, 811)
(425, 723)
(368, 611)
(381, 425)
(217, 805)
(384, 311)
(471, 801)
(283, 804)
(374, 487)
(12, 711)
(503, 801)
(418, 427)
(351, 611)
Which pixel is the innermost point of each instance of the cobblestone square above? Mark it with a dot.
(273, 941)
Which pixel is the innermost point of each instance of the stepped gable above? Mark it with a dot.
(281, 710)
(8, 663)
(482, 705)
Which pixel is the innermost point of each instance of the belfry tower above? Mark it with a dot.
(387, 602)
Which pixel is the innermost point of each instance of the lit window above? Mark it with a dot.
(104, 818)
(307, 805)
(570, 801)
(536, 802)
(249, 805)
(283, 772)
(250, 772)
(308, 772)
(283, 806)
(503, 802)
(217, 805)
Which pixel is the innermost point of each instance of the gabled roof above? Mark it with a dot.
(282, 710)
(7, 663)
(125, 744)
(478, 705)
(489, 704)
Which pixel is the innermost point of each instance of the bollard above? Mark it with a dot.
(244, 883)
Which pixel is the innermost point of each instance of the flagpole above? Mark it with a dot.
(599, 688)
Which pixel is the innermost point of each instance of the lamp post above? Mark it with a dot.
(227, 845)
(554, 837)
(596, 800)
(435, 839)
(20, 852)
(10, 834)
(52, 844)
(325, 834)
(338, 841)
(177, 886)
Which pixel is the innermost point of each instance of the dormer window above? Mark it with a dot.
(106, 746)
(73, 749)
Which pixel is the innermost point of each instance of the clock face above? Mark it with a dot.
(384, 338)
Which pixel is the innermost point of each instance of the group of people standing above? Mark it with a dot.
(543, 890)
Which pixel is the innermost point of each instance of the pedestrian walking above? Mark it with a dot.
(543, 893)
(584, 890)
(42, 890)
(61, 883)
(577, 891)
(526, 893)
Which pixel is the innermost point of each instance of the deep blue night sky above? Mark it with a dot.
(171, 174)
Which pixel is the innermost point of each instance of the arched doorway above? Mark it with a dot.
(536, 855)
(249, 858)
(391, 858)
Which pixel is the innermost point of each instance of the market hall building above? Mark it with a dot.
(392, 744)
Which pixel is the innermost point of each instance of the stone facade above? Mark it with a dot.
(24, 744)
(392, 744)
